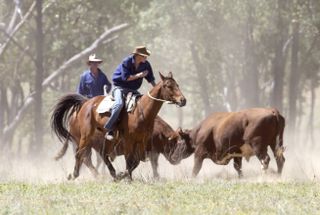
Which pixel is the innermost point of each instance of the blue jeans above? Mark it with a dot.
(116, 108)
(119, 95)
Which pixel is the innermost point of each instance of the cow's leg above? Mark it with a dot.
(88, 162)
(154, 163)
(278, 155)
(264, 160)
(237, 164)
(98, 160)
(262, 155)
(198, 160)
(260, 149)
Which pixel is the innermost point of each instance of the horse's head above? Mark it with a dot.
(170, 90)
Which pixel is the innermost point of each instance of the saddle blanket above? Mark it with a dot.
(107, 103)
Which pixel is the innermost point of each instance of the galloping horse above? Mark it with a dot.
(134, 128)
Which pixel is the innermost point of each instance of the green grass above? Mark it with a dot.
(171, 197)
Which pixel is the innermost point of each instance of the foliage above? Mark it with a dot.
(221, 52)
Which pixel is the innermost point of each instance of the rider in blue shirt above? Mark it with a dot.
(128, 77)
(93, 79)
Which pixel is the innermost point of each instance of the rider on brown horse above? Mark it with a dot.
(127, 78)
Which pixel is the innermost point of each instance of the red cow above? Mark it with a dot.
(232, 135)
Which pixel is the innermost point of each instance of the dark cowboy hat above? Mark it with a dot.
(141, 50)
(92, 58)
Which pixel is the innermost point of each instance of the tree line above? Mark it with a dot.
(226, 55)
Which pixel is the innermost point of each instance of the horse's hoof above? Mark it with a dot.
(121, 175)
(70, 177)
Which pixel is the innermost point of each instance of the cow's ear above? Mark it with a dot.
(179, 130)
(170, 74)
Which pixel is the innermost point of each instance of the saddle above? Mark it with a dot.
(107, 103)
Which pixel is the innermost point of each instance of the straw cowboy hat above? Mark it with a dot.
(141, 50)
(92, 58)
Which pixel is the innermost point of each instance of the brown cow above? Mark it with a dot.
(164, 141)
(232, 135)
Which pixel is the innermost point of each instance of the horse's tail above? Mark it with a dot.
(63, 150)
(62, 111)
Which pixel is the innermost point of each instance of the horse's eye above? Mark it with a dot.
(170, 86)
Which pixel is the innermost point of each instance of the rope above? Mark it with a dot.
(160, 100)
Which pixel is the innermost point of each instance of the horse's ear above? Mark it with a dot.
(170, 74)
(161, 76)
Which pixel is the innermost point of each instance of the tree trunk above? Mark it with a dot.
(310, 127)
(249, 85)
(202, 80)
(279, 59)
(38, 121)
(294, 78)
(2, 111)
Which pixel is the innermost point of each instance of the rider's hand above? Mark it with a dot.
(143, 74)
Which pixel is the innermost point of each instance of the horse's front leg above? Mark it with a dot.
(110, 166)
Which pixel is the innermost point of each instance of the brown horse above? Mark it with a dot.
(164, 140)
(134, 128)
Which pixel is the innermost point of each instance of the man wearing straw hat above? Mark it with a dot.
(128, 77)
(93, 80)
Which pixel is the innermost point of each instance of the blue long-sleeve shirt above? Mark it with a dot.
(127, 68)
(91, 86)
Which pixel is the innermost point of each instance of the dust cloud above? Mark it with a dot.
(302, 164)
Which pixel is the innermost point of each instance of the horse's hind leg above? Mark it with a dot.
(79, 157)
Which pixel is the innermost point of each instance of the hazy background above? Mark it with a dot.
(226, 55)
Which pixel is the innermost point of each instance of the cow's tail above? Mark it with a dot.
(280, 129)
(61, 113)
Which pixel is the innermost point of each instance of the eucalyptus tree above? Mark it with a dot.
(82, 29)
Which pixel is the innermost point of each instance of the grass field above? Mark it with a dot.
(161, 197)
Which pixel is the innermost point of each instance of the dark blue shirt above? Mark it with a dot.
(91, 86)
(127, 68)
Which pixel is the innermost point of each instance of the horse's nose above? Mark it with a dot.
(183, 101)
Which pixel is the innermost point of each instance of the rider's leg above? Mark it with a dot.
(116, 109)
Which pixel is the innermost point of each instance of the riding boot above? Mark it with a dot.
(109, 135)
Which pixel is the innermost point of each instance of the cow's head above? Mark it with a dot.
(183, 146)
